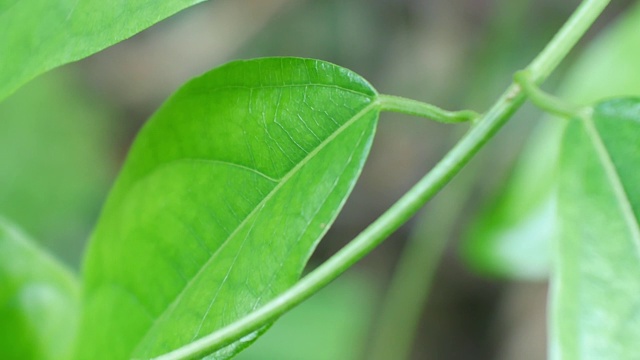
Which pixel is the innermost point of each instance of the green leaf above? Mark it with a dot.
(223, 197)
(512, 237)
(597, 281)
(38, 35)
(39, 300)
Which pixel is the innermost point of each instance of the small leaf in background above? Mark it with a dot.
(512, 236)
(224, 196)
(38, 35)
(596, 312)
(54, 162)
(39, 300)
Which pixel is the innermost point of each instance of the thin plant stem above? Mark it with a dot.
(417, 108)
(545, 101)
(410, 202)
(564, 40)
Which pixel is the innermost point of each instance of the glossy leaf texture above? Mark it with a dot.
(512, 237)
(224, 195)
(38, 35)
(596, 309)
(39, 300)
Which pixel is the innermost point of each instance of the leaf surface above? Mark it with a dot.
(38, 35)
(39, 300)
(595, 299)
(512, 237)
(224, 195)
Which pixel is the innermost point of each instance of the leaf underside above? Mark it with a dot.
(596, 286)
(39, 301)
(224, 195)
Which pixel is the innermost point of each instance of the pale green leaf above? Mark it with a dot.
(512, 236)
(38, 35)
(223, 197)
(596, 286)
(39, 301)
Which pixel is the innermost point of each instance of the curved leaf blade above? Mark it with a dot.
(223, 197)
(38, 35)
(39, 300)
(597, 282)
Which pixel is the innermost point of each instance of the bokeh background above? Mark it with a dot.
(64, 136)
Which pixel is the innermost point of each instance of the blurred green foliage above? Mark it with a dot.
(39, 300)
(55, 161)
(39, 35)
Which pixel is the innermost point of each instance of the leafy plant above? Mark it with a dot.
(232, 183)
(512, 237)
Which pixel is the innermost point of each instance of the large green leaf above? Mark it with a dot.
(224, 195)
(512, 237)
(38, 35)
(596, 298)
(39, 301)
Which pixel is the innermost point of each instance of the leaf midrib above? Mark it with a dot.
(373, 105)
(616, 182)
(286, 86)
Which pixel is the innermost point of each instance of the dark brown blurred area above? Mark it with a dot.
(453, 53)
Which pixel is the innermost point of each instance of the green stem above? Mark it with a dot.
(544, 100)
(418, 108)
(409, 203)
(564, 40)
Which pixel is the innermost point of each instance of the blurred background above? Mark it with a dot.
(64, 136)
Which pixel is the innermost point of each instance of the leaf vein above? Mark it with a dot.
(616, 182)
